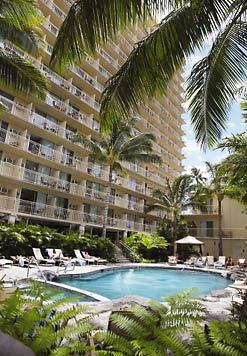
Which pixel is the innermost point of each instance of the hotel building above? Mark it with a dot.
(205, 226)
(46, 178)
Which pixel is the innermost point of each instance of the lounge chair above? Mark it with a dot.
(172, 260)
(40, 259)
(21, 261)
(201, 262)
(242, 262)
(4, 261)
(190, 261)
(93, 259)
(210, 261)
(78, 258)
(221, 262)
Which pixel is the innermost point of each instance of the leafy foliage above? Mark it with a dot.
(146, 246)
(116, 147)
(234, 166)
(47, 327)
(161, 52)
(153, 330)
(19, 26)
(176, 197)
(19, 239)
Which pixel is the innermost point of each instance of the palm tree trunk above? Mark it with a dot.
(106, 203)
(174, 244)
(174, 234)
(220, 245)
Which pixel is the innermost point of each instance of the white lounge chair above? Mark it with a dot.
(210, 261)
(201, 262)
(39, 257)
(4, 261)
(172, 260)
(221, 262)
(190, 261)
(242, 262)
(79, 259)
(93, 259)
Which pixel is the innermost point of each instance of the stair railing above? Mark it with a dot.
(127, 251)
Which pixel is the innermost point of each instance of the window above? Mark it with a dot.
(206, 228)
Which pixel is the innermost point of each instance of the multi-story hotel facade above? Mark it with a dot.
(46, 178)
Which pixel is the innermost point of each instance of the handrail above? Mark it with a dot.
(40, 271)
(128, 251)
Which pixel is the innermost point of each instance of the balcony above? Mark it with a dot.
(37, 210)
(207, 210)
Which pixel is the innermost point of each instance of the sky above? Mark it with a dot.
(194, 156)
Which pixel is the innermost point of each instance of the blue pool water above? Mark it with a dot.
(147, 282)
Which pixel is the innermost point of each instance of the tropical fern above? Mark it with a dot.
(153, 330)
(47, 327)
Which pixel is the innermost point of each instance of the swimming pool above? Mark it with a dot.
(153, 283)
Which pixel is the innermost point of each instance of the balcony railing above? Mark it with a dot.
(208, 209)
(22, 207)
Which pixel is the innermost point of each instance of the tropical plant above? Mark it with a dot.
(217, 186)
(19, 239)
(19, 27)
(153, 330)
(234, 165)
(147, 246)
(48, 327)
(116, 147)
(175, 198)
(184, 28)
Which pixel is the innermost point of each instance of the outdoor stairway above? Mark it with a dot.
(119, 256)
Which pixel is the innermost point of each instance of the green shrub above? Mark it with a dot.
(19, 239)
(147, 246)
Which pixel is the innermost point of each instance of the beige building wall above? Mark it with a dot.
(234, 224)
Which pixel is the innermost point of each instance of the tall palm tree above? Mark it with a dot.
(116, 147)
(185, 27)
(19, 20)
(173, 200)
(218, 187)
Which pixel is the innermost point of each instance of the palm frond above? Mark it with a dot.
(21, 75)
(24, 39)
(155, 59)
(214, 81)
(20, 13)
(91, 23)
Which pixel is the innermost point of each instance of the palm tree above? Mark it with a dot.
(173, 200)
(116, 147)
(184, 28)
(218, 187)
(19, 22)
(234, 166)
